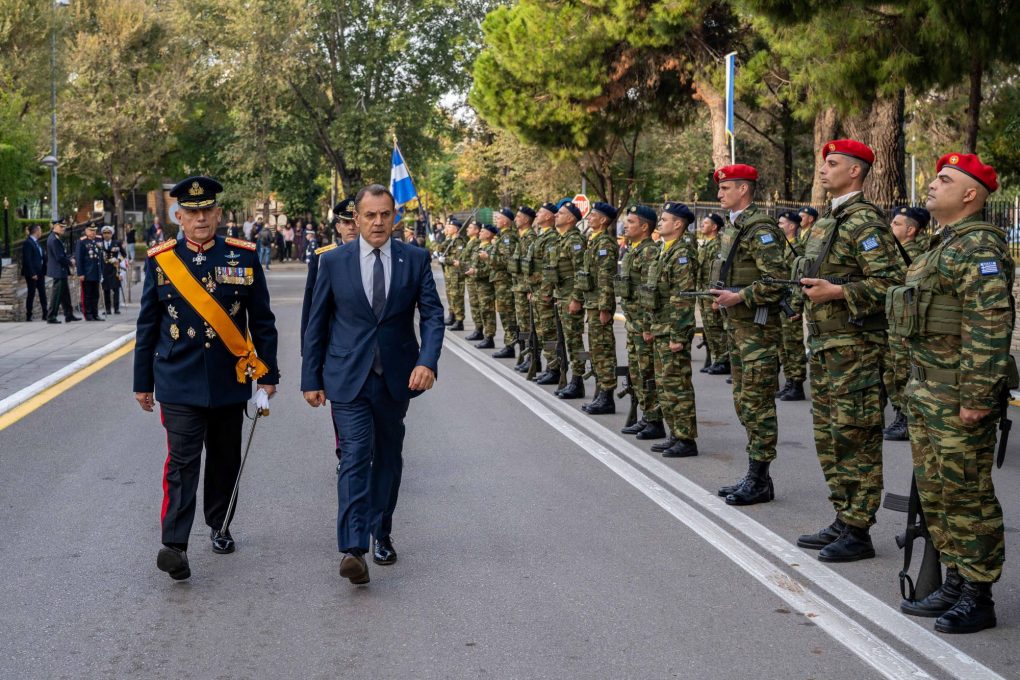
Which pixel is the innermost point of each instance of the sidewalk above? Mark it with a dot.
(30, 351)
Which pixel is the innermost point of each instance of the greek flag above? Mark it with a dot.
(401, 185)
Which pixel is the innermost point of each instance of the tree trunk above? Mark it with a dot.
(974, 105)
(826, 122)
(881, 127)
(716, 104)
(118, 209)
(161, 203)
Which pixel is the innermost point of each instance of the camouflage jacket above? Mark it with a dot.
(708, 252)
(673, 271)
(538, 252)
(566, 255)
(519, 262)
(595, 283)
(761, 251)
(452, 249)
(482, 266)
(467, 254)
(503, 247)
(633, 272)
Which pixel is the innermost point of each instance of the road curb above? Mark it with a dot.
(24, 394)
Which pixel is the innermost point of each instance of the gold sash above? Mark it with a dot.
(195, 294)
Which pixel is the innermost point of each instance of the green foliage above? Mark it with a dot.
(18, 166)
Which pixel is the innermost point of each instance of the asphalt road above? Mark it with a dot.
(534, 542)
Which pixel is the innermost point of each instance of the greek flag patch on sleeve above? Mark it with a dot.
(869, 243)
(681, 260)
(766, 239)
(988, 267)
(602, 252)
(577, 246)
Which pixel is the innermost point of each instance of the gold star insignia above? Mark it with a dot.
(175, 332)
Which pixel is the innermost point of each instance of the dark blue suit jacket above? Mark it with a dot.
(58, 264)
(342, 333)
(32, 260)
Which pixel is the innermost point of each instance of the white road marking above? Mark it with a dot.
(881, 656)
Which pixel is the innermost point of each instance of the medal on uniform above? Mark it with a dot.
(235, 308)
(172, 311)
(209, 332)
(199, 259)
(175, 332)
(233, 256)
(191, 332)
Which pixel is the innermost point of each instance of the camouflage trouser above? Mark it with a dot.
(716, 339)
(455, 292)
(675, 389)
(507, 312)
(640, 357)
(476, 310)
(896, 371)
(953, 468)
(573, 335)
(602, 346)
(755, 365)
(487, 307)
(521, 310)
(791, 351)
(545, 317)
(846, 407)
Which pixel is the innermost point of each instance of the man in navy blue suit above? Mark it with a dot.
(361, 354)
(33, 268)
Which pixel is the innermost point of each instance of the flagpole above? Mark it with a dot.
(731, 67)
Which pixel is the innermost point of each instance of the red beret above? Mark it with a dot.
(850, 147)
(970, 164)
(738, 171)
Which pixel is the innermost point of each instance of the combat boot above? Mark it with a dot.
(573, 390)
(938, 602)
(720, 368)
(853, 544)
(476, 334)
(550, 377)
(897, 430)
(505, 353)
(794, 391)
(486, 343)
(604, 405)
(662, 446)
(654, 429)
(822, 537)
(756, 487)
(725, 491)
(450, 320)
(636, 427)
(684, 448)
(459, 326)
(524, 366)
(783, 390)
(974, 611)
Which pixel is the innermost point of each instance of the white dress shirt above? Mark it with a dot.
(734, 214)
(840, 200)
(368, 266)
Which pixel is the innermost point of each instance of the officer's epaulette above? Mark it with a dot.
(156, 250)
(325, 248)
(239, 242)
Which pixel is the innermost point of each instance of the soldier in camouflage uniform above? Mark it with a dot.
(480, 271)
(716, 339)
(642, 253)
(594, 287)
(670, 325)
(956, 310)
(791, 351)
(542, 292)
(908, 224)
(450, 252)
(467, 256)
(847, 326)
(520, 269)
(564, 257)
(752, 247)
(808, 217)
(502, 252)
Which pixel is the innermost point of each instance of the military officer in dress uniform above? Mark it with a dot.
(113, 255)
(595, 288)
(89, 259)
(847, 324)
(345, 230)
(205, 332)
(956, 310)
(908, 226)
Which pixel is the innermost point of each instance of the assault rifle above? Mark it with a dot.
(560, 346)
(534, 355)
(628, 388)
(837, 280)
(929, 575)
(761, 314)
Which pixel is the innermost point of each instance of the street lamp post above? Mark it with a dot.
(7, 228)
(51, 160)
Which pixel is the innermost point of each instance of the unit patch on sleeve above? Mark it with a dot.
(869, 243)
(988, 267)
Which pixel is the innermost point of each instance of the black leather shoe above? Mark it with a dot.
(636, 427)
(69, 319)
(52, 321)
(486, 343)
(822, 537)
(653, 430)
(684, 448)
(938, 602)
(708, 365)
(662, 446)
(459, 326)
(476, 334)
(505, 353)
(897, 430)
(756, 487)
(384, 552)
(794, 391)
(550, 377)
(174, 562)
(353, 567)
(524, 366)
(573, 390)
(853, 544)
(974, 611)
(222, 543)
(603, 403)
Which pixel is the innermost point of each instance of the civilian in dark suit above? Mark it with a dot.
(33, 268)
(360, 352)
(58, 268)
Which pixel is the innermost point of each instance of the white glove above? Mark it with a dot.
(262, 401)
(442, 259)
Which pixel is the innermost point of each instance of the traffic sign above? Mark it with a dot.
(582, 203)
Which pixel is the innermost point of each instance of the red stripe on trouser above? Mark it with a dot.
(166, 471)
(81, 295)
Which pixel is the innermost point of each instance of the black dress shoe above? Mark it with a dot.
(636, 427)
(174, 562)
(69, 319)
(476, 334)
(459, 326)
(353, 567)
(684, 448)
(486, 343)
(822, 537)
(974, 611)
(573, 390)
(939, 601)
(52, 321)
(222, 543)
(384, 552)
(507, 352)
(653, 430)
(853, 544)
(550, 377)
(662, 446)
(116, 311)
